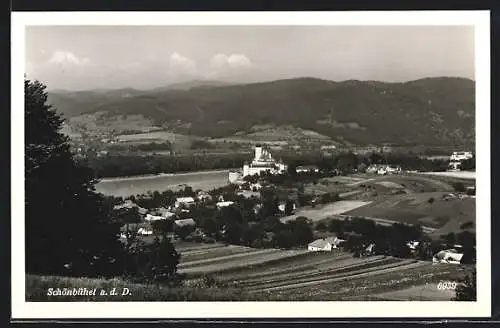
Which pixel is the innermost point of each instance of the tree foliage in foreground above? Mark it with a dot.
(69, 227)
(466, 290)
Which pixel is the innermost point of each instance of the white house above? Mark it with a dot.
(387, 169)
(184, 201)
(373, 168)
(224, 204)
(413, 244)
(324, 244)
(144, 232)
(448, 256)
(128, 204)
(164, 212)
(184, 222)
(458, 156)
(151, 218)
(307, 168)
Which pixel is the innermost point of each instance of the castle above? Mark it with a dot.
(263, 161)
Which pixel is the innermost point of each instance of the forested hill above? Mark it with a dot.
(431, 111)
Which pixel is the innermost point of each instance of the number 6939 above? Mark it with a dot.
(447, 285)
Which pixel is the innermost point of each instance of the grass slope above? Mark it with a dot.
(37, 287)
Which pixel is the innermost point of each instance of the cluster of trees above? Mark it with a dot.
(68, 226)
(114, 165)
(128, 165)
(201, 144)
(468, 164)
(253, 221)
(392, 240)
(341, 163)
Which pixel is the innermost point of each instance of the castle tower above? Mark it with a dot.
(258, 151)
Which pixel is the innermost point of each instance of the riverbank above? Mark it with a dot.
(159, 175)
(469, 175)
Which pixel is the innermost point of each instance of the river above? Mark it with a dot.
(126, 186)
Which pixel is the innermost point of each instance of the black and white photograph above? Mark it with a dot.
(202, 157)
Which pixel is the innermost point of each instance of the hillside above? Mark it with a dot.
(431, 111)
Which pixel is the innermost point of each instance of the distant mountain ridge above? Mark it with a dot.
(430, 111)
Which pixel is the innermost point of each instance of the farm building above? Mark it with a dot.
(184, 201)
(151, 218)
(373, 168)
(128, 205)
(248, 193)
(224, 204)
(184, 222)
(307, 168)
(164, 212)
(324, 244)
(448, 256)
(145, 231)
(389, 170)
(458, 156)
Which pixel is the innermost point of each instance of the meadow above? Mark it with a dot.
(247, 274)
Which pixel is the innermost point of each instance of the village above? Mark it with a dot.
(241, 212)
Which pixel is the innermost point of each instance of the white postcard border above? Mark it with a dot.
(128, 310)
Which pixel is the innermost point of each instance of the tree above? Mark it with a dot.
(68, 227)
(184, 230)
(347, 162)
(330, 197)
(321, 226)
(459, 186)
(467, 225)
(468, 164)
(466, 289)
(163, 227)
(284, 239)
(289, 207)
(156, 262)
(376, 158)
(450, 239)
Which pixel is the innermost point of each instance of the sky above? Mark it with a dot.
(142, 57)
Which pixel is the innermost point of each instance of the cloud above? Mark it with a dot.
(67, 57)
(239, 61)
(132, 67)
(180, 64)
(233, 61)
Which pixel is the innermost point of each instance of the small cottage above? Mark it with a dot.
(324, 244)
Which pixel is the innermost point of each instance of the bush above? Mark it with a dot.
(459, 186)
(467, 225)
(430, 200)
(321, 226)
(466, 289)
